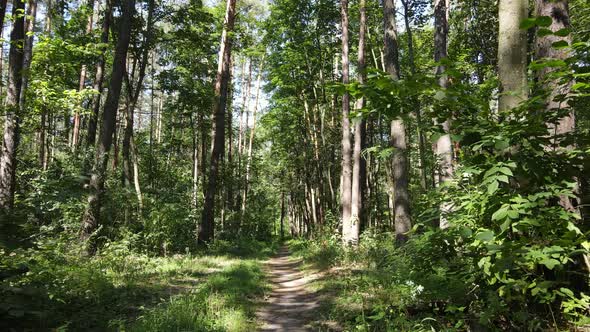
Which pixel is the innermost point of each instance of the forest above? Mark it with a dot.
(295, 165)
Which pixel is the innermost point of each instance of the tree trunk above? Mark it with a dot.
(12, 122)
(346, 190)
(82, 81)
(2, 14)
(282, 215)
(130, 158)
(559, 12)
(92, 214)
(359, 133)
(421, 140)
(444, 145)
(207, 229)
(28, 50)
(401, 198)
(558, 93)
(99, 77)
(250, 143)
(512, 53)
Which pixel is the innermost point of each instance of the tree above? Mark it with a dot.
(558, 11)
(12, 123)
(512, 54)
(401, 200)
(358, 167)
(91, 216)
(99, 76)
(444, 145)
(207, 229)
(346, 182)
(82, 82)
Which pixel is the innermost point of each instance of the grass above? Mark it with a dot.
(53, 287)
(359, 294)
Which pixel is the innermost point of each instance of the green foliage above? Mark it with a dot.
(52, 286)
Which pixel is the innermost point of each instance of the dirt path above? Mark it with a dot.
(290, 306)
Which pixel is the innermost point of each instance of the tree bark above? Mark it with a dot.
(99, 77)
(2, 14)
(401, 198)
(421, 140)
(559, 12)
(207, 229)
(282, 215)
(346, 189)
(359, 133)
(82, 80)
(444, 145)
(512, 53)
(557, 98)
(28, 50)
(92, 214)
(250, 143)
(12, 122)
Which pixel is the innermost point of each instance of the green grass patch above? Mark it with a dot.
(53, 286)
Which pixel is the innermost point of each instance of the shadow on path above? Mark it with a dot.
(290, 306)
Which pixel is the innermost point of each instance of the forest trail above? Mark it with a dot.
(290, 305)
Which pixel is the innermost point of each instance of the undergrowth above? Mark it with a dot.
(425, 285)
(52, 286)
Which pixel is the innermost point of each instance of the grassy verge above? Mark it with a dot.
(425, 285)
(378, 287)
(53, 287)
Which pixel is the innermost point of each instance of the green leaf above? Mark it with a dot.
(500, 214)
(562, 32)
(493, 187)
(513, 214)
(506, 171)
(485, 236)
(501, 144)
(567, 292)
(560, 44)
(439, 95)
(502, 178)
(527, 23)
(544, 32)
(550, 263)
(505, 225)
(543, 21)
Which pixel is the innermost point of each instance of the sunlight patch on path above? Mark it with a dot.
(290, 306)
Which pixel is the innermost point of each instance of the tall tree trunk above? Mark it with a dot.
(346, 189)
(558, 10)
(2, 14)
(229, 185)
(512, 53)
(207, 228)
(130, 158)
(282, 215)
(359, 133)
(99, 76)
(251, 142)
(558, 93)
(12, 122)
(82, 80)
(195, 151)
(421, 140)
(92, 214)
(401, 198)
(443, 145)
(28, 50)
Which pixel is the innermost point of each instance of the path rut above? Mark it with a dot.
(290, 306)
